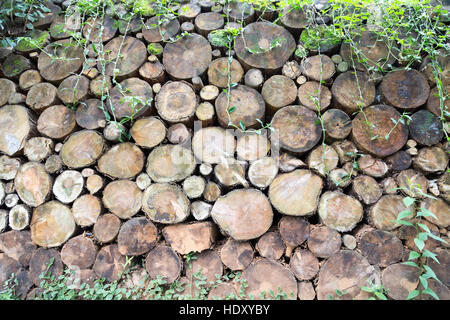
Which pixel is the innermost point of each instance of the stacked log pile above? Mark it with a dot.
(307, 208)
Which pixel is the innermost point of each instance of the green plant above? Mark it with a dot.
(8, 292)
(377, 290)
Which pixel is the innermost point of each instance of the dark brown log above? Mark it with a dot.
(207, 22)
(59, 60)
(434, 102)
(64, 25)
(27, 80)
(33, 184)
(337, 123)
(56, 122)
(86, 210)
(157, 29)
(7, 88)
(381, 123)
(79, 252)
(100, 85)
(236, 255)
(109, 263)
(153, 72)
(318, 68)
(9, 266)
(212, 192)
(106, 228)
(353, 91)
(178, 133)
(426, 128)
(230, 173)
(165, 203)
(239, 11)
(18, 246)
(409, 233)
(271, 246)
(260, 37)
(194, 186)
(298, 128)
(340, 211)
(82, 149)
(131, 98)
(176, 102)
(440, 209)
(189, 11)
(48, 16)
(399, 280)
(306, 290)
(305, 185)
(170, 163)
(265, 275)
(19, 217)
(148, 132)
(208, 264)
(261, 172)
(412, 183)
(372, 166)
(405, 89)
(304, 265)
(137, 236)
(431, 160)
(293, 230)
(441, 268)
(14, 65)
(314, 96)
(366, 189)
(243, 214)
(294, 18)
(123, 198)
(213, 144)
(133, 54)
(249, 106)
(352, 267)
(400, 160)
(188, 57)
(323, 159)
(384, 213)
(16, 126)
(39, 264)
(38, 148)
(122, 161)
(68, 186)
(73, 89)
(185, 238)
(381, 248)
(323, 241)
(223, 291)
(164, 262)
(99, 29)
(89, 114)
(279, 91)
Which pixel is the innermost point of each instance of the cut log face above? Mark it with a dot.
(19, 217)
(412, 183)
(39, 264)
(123, 198)
(381, 248)
(163, 261)
(16, 125)
(148, 132)
(185, 238)
(137, 236)
(318, 68)
(68, 186)
(236, 255)
(440, 209)
(63, 25)
(409, 233)
(346, 271)
(73, 89)
(170, 163)
(109, 263)
(194, 186)
(205, 113)
(315, 96)
(14, 65)
(238, 11)
(33, 184)
(218, 72)
(401, 160)
(3, 220)
(271, 246)
(223, 291)
(106, 228)
(293, 230)
(26, 80)
(426, 128)
(243, 214)
(431, 160)
(86, 209)
(405, 89)
(207, 22)
(230, 173)
(8, 167)
(279, 91)
(133, 54)
(340, 211)
(178, 134)
(38, 148)
(208, 264)
(306, 290)
(41, 96)
(434, 102)
(9, 266)
(7, 88)
(89, 115)
(153, 72)
(294, 19)
(176, 102)
(366, 189)
(296, 193)
(188, 57)
(265, 275)
(337, 123)
(260, 37)
(441, 268)
(56, 122)
(323, 159)
(52, 224)
(399, 280)
(82, 149)
(201, 210)
(157, 29)
(79, 253)
(384, 213)
(213, 144)
(59, 60)
(131, 98)
(261, 172)
(165, 203)
(100, 29)
(122, 161)
(298, 128)
(249, 106)
(372, 166)
(304, 265)
(353, 90)
(380, 117)
(324, 242)
(18, 246)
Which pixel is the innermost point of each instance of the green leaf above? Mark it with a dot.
(406, 223)
(414, 255)
(410, 263)
(408, 201)
(230, 110)
(412, 294)
(419, 243)
(242, 125)
(403, 214)
(431, 293)
(380, 295)
(423, 280)
(426, 213)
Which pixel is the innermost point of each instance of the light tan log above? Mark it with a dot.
(213, 144)
(106, 228)
(383, 214)
(271, 246)
(68, 186)
(323, 241)
(122, 161)
(340, 211)
(33, 184)
(261, 172)
(57, 122)
(86, 210)
(123, 198)
(16, 125)
(82, 149)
